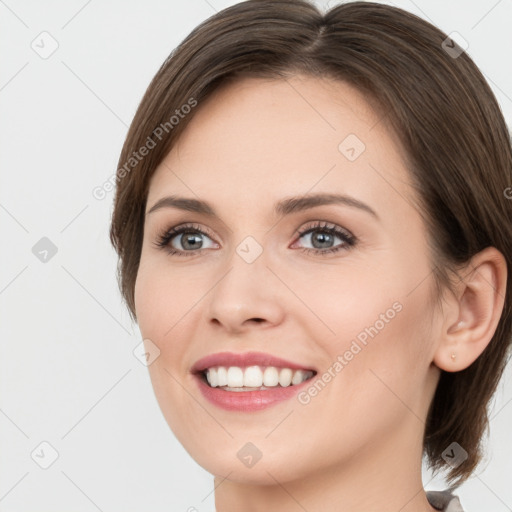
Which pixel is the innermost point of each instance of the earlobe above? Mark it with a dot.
(477, 307)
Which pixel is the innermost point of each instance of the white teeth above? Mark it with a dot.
(270, 376)
(211, 377)
(236, 378)
(298, 377)
(222, 376)
(252, 377)
(285, 377)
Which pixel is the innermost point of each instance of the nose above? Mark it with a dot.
(247, 296)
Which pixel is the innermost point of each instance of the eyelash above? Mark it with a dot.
(349, 240)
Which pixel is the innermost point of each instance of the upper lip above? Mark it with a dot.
(245, 359)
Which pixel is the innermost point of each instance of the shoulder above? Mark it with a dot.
(444, 501)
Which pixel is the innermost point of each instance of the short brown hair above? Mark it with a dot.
(445, 115)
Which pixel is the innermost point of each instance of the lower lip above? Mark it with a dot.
(248, 401)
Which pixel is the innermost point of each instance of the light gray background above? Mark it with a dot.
(69, 375)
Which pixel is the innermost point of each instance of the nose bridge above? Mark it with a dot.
(246, 290)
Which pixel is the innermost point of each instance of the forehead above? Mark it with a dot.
(265, 138)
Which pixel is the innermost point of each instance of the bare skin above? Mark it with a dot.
(356, 445)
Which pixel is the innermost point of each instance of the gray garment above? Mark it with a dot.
(444, 500)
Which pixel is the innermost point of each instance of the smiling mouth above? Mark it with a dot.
(254, 378)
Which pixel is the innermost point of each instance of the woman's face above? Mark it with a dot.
(350, 303)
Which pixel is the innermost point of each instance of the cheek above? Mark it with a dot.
(385, 355)
(341, 300)
(164, 299)
(163, 306)
(377, 322)
(374, 380)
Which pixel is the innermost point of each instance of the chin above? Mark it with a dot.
(265, 471)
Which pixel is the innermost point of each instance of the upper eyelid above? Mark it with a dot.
(322, 224)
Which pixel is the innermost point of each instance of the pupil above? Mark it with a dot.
(193, 245)
(322, 238)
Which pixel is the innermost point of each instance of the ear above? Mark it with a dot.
(472, 313)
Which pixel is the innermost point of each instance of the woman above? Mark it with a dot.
(314, 236)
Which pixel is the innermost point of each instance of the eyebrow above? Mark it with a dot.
(284, 207)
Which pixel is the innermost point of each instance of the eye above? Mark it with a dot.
(322, 236)
(185, 240)
(188, 239)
